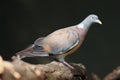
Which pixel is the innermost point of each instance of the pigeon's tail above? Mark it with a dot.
(25, 53)
(30, 52)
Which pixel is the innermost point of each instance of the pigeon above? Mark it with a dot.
(61, 42)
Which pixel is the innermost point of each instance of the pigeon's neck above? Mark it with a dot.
(84, 24)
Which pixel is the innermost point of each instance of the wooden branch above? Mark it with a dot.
(114, 75)
(20, 70)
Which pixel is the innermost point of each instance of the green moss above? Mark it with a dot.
(51, 78)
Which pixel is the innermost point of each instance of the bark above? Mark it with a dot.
(114, 75)
(20, 70)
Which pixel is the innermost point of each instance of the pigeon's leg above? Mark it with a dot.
(61, 59)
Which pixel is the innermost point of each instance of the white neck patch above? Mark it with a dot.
(80, 25)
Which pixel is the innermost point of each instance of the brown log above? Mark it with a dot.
(20, 70)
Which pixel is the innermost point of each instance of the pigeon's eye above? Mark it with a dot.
(94, 18)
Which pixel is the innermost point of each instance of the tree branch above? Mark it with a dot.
(20, 70)
(114, 75)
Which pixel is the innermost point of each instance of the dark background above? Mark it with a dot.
(23, 21)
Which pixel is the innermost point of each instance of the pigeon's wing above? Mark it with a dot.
(39, 41)
(61, 41)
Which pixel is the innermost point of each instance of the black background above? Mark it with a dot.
(23, 21)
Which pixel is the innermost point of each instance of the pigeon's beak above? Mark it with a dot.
(98, 21)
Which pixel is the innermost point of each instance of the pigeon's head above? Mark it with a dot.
(93, 19)
(86, 23)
